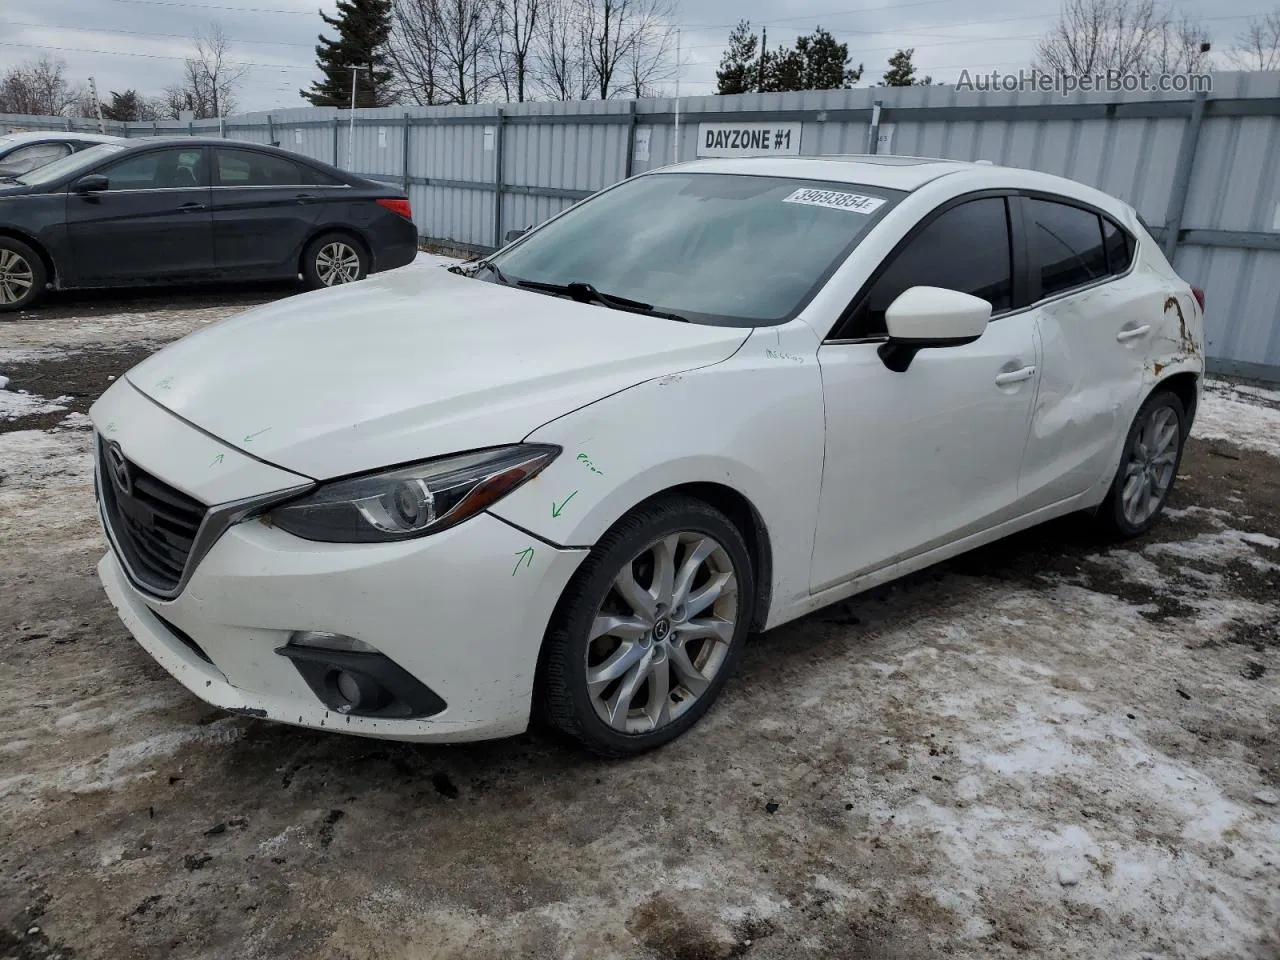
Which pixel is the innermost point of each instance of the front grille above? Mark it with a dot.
(152, 525)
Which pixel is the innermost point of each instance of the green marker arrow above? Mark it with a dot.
(258, 434)
(555, 510)
(526, 559)
(216, 460)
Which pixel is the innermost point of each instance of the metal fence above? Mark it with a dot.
(1201, 169)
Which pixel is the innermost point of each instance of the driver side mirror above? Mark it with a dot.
(93, 183)
(927, 317)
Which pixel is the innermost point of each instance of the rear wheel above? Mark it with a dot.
(22, 275)
(1148, 468)
(650, 629)
(334, 259)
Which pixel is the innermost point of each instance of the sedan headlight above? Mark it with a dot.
(411, 501)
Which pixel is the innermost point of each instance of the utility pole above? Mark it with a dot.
(97, 104)
(764, 40)
(351, 135)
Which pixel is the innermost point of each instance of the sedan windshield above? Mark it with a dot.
(713, 248)
(85, 159)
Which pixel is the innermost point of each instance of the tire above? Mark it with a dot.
(22, 275)
(696, 656)
(333, 259)
(1150, 461)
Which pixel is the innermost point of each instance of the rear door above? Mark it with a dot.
(152, 223)
(1093, 316)
(264, 207)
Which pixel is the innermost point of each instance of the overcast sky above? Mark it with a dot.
(141, 43)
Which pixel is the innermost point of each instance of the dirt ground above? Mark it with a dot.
(1048, 748)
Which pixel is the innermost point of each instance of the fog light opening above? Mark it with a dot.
(357, 692)
(323, 640)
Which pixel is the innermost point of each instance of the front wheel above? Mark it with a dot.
(649, 629)
(1148, 467)
(334, 259)
(22, 275)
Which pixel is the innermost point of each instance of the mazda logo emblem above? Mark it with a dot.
(119, 468)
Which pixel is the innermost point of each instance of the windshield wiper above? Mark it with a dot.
(586, 293)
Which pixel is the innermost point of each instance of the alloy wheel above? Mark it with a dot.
(336, 263)
(16, 276)
(662, 632)
(1153, 458)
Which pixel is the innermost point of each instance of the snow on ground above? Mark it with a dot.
(1077, 765)
(1246, 416)
(14, 405)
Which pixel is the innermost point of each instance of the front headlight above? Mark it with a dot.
(411, 501)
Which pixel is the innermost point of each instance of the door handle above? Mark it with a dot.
(1133, 333)
(192, 207)
(1015, 376)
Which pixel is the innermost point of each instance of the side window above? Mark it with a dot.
(1066, 245)
(1119, 247)
(966, 248)
(248, 168)
(157, 170)
(34, 156)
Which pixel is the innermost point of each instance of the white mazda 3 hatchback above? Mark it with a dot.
(573, 477)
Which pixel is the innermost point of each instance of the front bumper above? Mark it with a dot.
(464, 611)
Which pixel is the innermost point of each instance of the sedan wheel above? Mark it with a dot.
(337, 262)
(22, 275)
(1146, 476)
(649, 629)
(333, 260)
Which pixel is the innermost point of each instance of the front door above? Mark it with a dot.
(917, 459)
(152, 223)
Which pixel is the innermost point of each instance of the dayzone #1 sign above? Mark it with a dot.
(748, 139)
(836, 200)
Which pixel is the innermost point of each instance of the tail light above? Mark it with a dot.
(396, 205)
(1199, 295)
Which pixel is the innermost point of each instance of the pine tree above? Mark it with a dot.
(740, 66)
(826, 62)
(363, 29)
(902, 72)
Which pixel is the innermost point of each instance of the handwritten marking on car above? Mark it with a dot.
(586, 461)
(111, 427)
(258, 434)
(555, 510)
(164, 384)
(216, 460)
(526, 559)
(772, 354)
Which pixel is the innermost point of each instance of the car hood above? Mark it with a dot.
(410, 364)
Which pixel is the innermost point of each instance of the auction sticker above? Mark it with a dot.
(854, 202)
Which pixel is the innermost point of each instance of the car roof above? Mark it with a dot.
(37, 135)
(870, 170)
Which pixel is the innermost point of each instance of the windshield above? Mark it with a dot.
(715, 248)
(60, 168)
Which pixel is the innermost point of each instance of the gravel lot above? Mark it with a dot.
(1048, 748)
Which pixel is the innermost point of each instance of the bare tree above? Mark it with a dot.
(558, 50)
(414, 51)
(210, 79)
(650, 61)
(1181, 46)
(40, 88)
(519, 22)
(1094, 36)
(1258, 46)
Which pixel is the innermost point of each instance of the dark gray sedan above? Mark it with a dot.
(182, 209)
